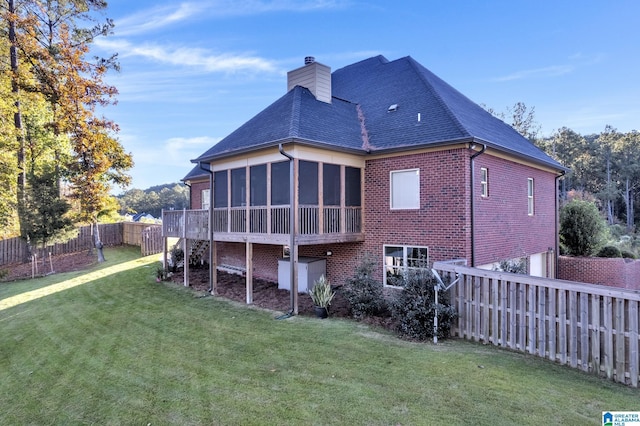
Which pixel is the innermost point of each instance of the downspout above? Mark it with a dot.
(473, 210)
(188, 185)
(557, 227)
(292, 236)
(212, 270)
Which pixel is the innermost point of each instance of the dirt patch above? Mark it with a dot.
(56, 264)
(265, 293)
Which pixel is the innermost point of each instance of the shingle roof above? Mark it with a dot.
(362, 94)
(196, 173)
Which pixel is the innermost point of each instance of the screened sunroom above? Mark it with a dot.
(252, 202)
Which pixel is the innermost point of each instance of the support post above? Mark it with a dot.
(249, 274)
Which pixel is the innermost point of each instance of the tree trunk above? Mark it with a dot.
(98, 244)
(17, 122)
(629, 204)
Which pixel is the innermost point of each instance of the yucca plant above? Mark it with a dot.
(321, 293)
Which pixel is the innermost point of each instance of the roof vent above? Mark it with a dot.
(393, 108)
(309, 60)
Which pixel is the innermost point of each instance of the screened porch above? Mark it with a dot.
(252, 204)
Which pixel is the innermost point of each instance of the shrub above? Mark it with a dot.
(609, 251)
(628, 254)
(177, 256)
(582, 228)
(363, 292)
(414, 308)
(515, 266)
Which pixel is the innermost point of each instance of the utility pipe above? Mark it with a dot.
(292, 238)
(473, 211)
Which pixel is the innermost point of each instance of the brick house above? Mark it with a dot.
(385, 159)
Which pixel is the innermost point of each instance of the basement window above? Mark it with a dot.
(401, 261)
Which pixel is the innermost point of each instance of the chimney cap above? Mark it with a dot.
(309, 60)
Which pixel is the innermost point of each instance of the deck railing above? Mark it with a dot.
(262, 220)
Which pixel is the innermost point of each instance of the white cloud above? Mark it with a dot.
(163, 16)
(551, 71)
(189, 57)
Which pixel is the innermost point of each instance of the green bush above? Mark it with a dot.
(414, 308)
(177, 257)
(515, 266)
(582, 228)
(628, 254)
(363, 292)
(609, 251)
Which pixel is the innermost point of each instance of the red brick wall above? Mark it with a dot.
(503, 228)
(441, 223)
(340, 264)
(196, 193)
(623, 273)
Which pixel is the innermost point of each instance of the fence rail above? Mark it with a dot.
(590, 327)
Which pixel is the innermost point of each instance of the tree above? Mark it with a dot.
(521, 118)
(582, 228)
(626, 158)
(45, 217)
(53, 43)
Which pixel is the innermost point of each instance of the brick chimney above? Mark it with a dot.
(314, 76)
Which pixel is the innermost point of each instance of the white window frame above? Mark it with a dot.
(204, 199)
(530, 194)
(395, 265)
(484, 182)
(404, 191)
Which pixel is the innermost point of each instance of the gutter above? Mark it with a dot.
(292, 238)
(212, 269)
(472, 204)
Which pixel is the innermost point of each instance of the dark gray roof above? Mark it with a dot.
(196, 173)
(359, 120)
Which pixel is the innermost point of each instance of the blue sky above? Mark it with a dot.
(194, 71)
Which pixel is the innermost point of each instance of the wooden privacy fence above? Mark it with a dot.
(12, 250)
(590, 327)
(146, 236)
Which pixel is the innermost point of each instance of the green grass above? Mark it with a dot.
(111, 346)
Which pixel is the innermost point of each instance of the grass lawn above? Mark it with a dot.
(112, 346)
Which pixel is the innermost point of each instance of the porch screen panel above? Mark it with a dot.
(220, 189)
(259, 185)
(352, 185)
(238, 187)
(331, 184)
(308, 185)
(280, 183)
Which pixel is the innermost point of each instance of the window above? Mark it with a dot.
(280, 183)
(258, 185)
(484, 182)
(399, 261)
(238, 187)
(220, 189)
(530, 196)
(331, 184)
(308, 182)
(405, 189)
(204, 194)
(352, 180)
